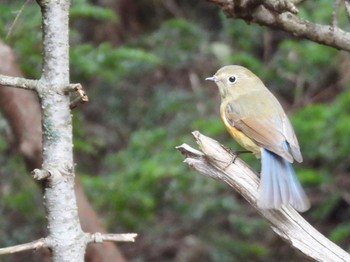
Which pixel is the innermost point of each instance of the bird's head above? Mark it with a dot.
(235, 80)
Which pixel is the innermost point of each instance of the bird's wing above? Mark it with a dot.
(266, 131)
(291, 139)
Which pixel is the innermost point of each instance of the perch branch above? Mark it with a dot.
(18, 82)
(215, 161)
(99, 237)
(262, 13)
(34, 245)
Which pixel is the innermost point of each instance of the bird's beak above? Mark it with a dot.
(212, 78)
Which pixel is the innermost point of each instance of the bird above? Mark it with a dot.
(256, 120)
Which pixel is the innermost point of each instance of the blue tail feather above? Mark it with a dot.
(279, 185)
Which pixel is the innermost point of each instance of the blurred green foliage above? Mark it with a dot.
(121, 62)
(84, 9)
(146, 96)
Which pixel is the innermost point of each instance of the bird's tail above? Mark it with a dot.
(279, 185)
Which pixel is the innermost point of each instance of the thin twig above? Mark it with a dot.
(81, 95)
(335, 13)
(34, 245)
(16, 19)
(72, 87)
(347, 8)
(18, 82)
(99, 237)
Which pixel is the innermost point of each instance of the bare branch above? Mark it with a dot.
(335, 13)
(255, 11)
(216, 162)
(34, 245)
(73, 87)
(347, 8)
(100, 237)
(81, 95)
(66, 238)
(18, 82)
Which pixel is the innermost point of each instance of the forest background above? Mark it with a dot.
(143, 65)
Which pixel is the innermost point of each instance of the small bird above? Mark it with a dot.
(256, 120)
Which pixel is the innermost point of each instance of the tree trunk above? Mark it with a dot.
(22, 111)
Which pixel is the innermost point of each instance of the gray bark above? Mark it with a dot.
(66, 238)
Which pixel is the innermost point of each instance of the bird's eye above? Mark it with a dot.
(232, 79)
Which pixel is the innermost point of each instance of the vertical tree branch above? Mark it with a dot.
(22, 111)
(66, 238)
